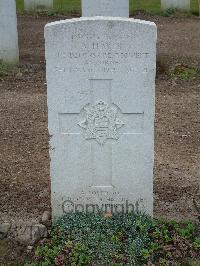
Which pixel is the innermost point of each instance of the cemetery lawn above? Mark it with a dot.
(24, 158)
(74, 6)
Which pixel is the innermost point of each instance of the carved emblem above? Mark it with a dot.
(101, 122)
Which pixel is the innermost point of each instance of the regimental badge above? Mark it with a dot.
(101, 122)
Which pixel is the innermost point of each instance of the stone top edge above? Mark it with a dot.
(100, 18)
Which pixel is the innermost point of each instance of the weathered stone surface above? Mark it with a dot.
(9, 51)
(111, 8)
(30, 249)
(46, 218)
(4, 229)
(178, 4)
(37, 4)
(101, 79)
(38, 231)
(31, 234)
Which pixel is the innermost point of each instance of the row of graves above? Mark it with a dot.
(101, 104)
(96, 5)
(9, 51)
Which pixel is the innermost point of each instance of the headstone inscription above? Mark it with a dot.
(112, 8)
(183, 5)
(101, 79)
(37, 4)
(9, 51)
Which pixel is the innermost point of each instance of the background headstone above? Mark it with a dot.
(9, 51)
(37, 4)
(112, 8)
(101, 79)
(183, 5)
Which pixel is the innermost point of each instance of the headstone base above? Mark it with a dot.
(9, 51)
(37, 4)
(182, 5)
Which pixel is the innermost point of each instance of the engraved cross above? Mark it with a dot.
(101, 124)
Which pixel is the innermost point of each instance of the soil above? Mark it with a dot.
(24, 158)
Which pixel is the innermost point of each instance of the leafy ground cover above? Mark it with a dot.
(5, 69)
(24, 142)
(89, 239)
(184, 72)
(74, 6)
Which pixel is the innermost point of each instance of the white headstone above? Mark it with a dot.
(183, 5)
(112, 8)
(100, 74)
(37, 4)
(9, 51)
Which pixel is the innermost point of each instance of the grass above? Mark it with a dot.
(116, 240)
(184, 72)
(74, 6)
(68, 6)
(6, 68)
(20, 5)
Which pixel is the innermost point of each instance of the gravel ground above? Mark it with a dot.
(24, 159)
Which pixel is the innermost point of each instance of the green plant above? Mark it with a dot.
(164, 262)
(185, 229)
(31, 264)
(184, 72)
(169, 12)
(51, 13)
(91, 239)
(196, 243)
(6, 68)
